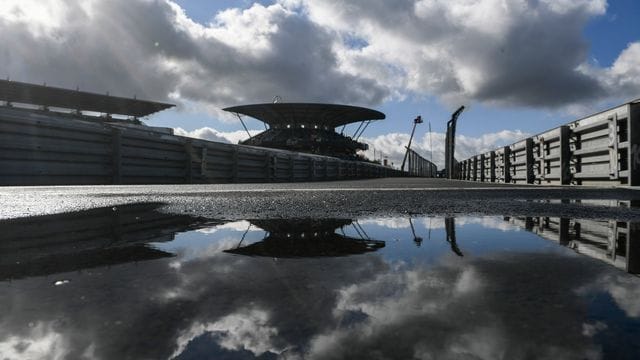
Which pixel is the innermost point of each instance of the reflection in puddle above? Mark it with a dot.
(307, 238)
(51, 244)
(614, 242)
(140, 284)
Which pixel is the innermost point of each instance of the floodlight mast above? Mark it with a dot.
(416, 121)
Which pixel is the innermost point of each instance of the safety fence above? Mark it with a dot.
(46, 148)
(610, 241)
(419, 166)
(599, 149)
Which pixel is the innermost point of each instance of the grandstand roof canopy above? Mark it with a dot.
(19, 92)
(307, 113)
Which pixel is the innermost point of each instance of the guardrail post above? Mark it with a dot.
(467, 170)
(633, 136)
(475, 168)
(470, 169)
(565, 155)
(492, 166)
(530, 176)
(633, 247)
(613, 147)
(563, 231)
(482, 167)
(507, 164)
(542, 159)
(116, 155)
(188, 171)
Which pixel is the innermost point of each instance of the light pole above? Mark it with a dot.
(416, 121)
(450, 146)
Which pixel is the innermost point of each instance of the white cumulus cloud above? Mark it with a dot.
(211, 134)
(509, 53)
(392, 146)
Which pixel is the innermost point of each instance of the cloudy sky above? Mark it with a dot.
(521, 66)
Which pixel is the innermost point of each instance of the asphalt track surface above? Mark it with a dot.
(339, 199)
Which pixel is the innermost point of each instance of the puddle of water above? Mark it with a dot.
(138, 283)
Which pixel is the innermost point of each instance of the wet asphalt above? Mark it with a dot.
(337, 199)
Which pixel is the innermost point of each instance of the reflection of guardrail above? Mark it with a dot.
(40, 148)
(599, 149)
(613, 242)
(419, 166)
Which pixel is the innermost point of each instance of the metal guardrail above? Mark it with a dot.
(610, 241)
(602, 149)
(419, 166)
(39, 148)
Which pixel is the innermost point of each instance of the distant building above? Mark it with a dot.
(309, 128)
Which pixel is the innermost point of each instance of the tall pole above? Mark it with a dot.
(416, 121)
(451, 143)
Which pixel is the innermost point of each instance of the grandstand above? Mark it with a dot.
(309, 127)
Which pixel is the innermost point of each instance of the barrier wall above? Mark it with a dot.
(599, 149)
(419, 166)
(47, 148)
(610, 241)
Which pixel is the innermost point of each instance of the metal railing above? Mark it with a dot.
(610, 241)
(40, 148)
(599, 149)
(419, 166)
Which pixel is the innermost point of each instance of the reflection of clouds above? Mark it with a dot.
(436, 223)
(208, 249)
(481, 309)
(591, 330)
(244, 330)
(389, 223)
(432, 223)
(234, 225)
(488, 222)
(141, 311)
(403, 222)
(480, 343)
(398, 303)
(394, 295)
(40, 342)
(623, 288)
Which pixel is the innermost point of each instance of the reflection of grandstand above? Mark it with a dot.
(309, 128)
(299, 238)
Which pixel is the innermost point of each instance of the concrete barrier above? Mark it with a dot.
(49, 148)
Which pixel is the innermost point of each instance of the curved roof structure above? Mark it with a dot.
(286, 239)
(19, 92)
(331, 115)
